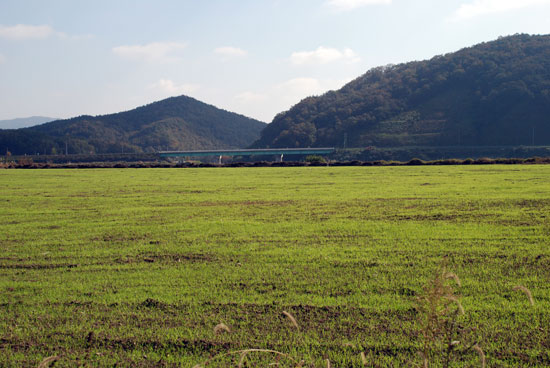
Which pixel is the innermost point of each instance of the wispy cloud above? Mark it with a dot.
(229, 52)
(346, 5)
(169, 87)
(323, 55)
(163, 52)
(22, 32)
(26, 32)
(483, 7)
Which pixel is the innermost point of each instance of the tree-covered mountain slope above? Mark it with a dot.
(492, 94)
(171, 124)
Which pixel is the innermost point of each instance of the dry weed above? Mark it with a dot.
(364, 359)
(292, 319)
(48, 361)
(440, 311)
(481, 354)
(244, 353)
(453, 276)
(526, 292)
(220, 328)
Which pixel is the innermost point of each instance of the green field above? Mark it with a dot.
(135, 267)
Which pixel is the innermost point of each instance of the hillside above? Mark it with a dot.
(493, 94)
(174, 123)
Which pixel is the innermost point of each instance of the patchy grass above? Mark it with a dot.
(136, 267)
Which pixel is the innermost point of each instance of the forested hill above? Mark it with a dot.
(175, 123)
(492, 94)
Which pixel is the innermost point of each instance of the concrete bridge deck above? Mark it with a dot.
(249, 152)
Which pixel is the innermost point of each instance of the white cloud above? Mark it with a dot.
(482, 7)
(228, 52)
(346, 5)
(323, 55)
(153, 52)
(26, 32)
(168, 87)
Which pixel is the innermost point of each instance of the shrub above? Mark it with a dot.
(25, 161)
(316, 160)
(415, 162)
(484, 161)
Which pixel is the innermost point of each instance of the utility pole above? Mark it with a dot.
(345, 140)
(533, 138)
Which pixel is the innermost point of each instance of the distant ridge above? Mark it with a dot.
(493, 94)
(171, 124)
(24, 122)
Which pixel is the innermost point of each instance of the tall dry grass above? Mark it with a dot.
(526, 291)
(444, 337)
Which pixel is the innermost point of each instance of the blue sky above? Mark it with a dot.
(63, 58)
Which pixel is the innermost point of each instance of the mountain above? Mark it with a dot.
(24, 122)
(492, 94)
(171, 124)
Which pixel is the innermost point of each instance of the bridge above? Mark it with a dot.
(249, 152)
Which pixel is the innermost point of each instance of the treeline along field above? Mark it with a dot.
(135, 267)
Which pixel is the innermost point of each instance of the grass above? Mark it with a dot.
(136, 267)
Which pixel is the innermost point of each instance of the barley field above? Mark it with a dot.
(182, 267)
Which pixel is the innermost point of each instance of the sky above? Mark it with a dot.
(65, 58)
